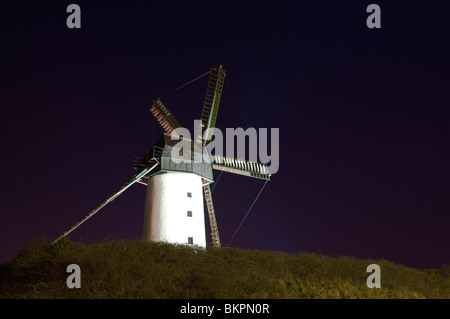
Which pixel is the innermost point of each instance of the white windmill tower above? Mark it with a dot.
(175, 190)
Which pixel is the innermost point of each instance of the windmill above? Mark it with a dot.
(174, 209)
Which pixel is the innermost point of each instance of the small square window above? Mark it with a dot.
(189, 213)
(190, 240)
(189, 194)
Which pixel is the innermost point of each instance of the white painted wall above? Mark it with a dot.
(166, 207)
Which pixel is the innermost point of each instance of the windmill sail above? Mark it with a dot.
(212, 216)
(208, 122)
(211, 103)
(241, 167)
(164, 117)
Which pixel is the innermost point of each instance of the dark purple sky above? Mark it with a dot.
(363, 116)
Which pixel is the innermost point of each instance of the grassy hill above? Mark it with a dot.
(137, 269)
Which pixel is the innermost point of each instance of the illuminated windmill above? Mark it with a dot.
(176, 186)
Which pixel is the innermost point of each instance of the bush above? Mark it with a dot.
(139, 269)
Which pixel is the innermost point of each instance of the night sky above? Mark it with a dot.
(363, 117)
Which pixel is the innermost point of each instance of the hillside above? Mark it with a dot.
(137, 269)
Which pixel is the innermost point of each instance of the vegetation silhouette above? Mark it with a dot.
(139, 269)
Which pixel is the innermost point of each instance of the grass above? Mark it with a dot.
(138, 269)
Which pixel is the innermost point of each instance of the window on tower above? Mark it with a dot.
(189, 213)
(189, 194)
(190, 240)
